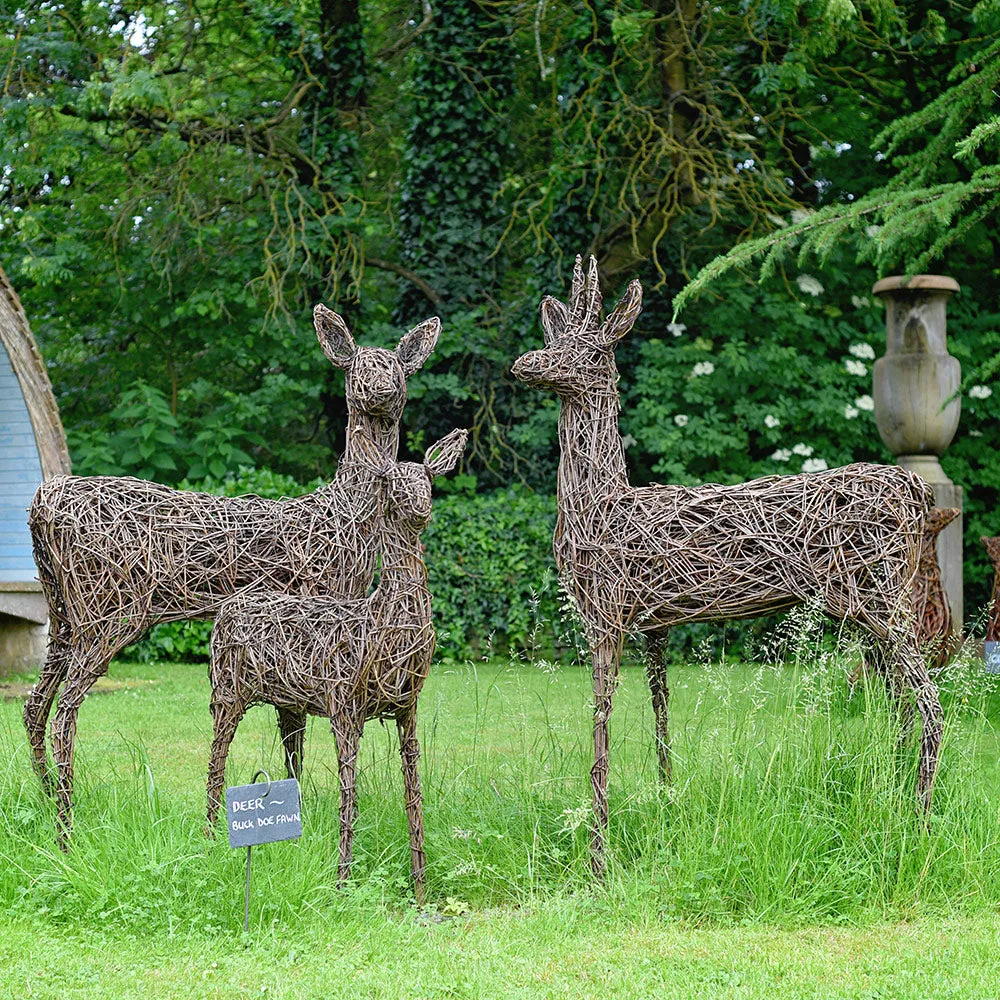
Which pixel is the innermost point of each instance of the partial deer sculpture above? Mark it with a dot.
(932, 613)
(349, 661)
(935, 630)
(118, 555)
(647, 558)
(992, 546)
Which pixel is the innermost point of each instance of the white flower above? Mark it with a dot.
(781, 455)
(681, 419)
(805, 450)
(814, 465)
(865, 351)
(676, 328)
(703, 368)
(980, 392)
(855, 367)
(865, 403)
(771, 421)
(860, 301)
(809, 284)
(850, 411)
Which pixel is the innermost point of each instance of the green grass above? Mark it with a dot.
(786, 860)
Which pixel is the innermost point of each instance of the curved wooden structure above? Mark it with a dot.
(32, 449)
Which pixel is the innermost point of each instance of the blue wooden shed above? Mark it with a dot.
(32, 448)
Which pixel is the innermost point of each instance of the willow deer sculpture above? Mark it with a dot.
(992, 546)
(347, 660)
(648, 558)
(935, 628)
(117, 555)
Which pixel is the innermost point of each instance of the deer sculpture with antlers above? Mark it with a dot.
(117, 555)
(648, 558)
(347, 660)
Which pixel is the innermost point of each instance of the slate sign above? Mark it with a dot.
(992, 657)
(263, 813)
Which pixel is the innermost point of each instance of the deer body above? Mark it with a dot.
(347, 660)
(118, 555)
(647, 558)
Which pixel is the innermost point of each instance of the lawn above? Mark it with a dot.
(786, 860)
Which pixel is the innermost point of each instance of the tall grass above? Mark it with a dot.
(793, 801)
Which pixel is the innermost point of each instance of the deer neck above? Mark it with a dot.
(592, 457)
(380, 431)
(402, 586)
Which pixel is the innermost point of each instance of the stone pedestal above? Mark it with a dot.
(917, 408)
(23, 627)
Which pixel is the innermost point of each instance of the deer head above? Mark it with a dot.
(578, 356)
(376, 377)
(409, 499)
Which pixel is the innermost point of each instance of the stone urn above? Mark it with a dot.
(916, 384)
(917, 407)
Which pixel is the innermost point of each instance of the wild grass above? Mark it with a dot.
(793, 803)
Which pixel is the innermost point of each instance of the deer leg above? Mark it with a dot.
(656, 670)
(38, 707)
(409, 751)
(347, 732)
(225, 719)
(911, 668)
(605, 656)
(80, 681)
(292, 726)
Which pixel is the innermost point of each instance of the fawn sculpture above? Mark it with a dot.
(347, 660)
(992, 546)
(647, 558)
(117, 555)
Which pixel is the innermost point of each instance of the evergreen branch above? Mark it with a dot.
(902, 211)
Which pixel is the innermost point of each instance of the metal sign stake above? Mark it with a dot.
(246, 898)
(254, 816)
(246, 895)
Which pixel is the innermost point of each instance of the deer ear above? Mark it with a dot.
(553, 315)
(442, 456)
(415, 347)
(621, 318)
(334, 337)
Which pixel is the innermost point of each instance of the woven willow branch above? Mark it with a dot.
(348, 660)
(647, 558)
(992, 546)
(935, 631)
(118, 555)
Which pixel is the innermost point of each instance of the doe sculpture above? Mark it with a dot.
(648, 558)
(117, 555)
(347, 660)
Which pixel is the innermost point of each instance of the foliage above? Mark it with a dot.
(498, 589)
(944, 185)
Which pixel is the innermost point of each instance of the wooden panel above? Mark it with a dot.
(20, 474)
